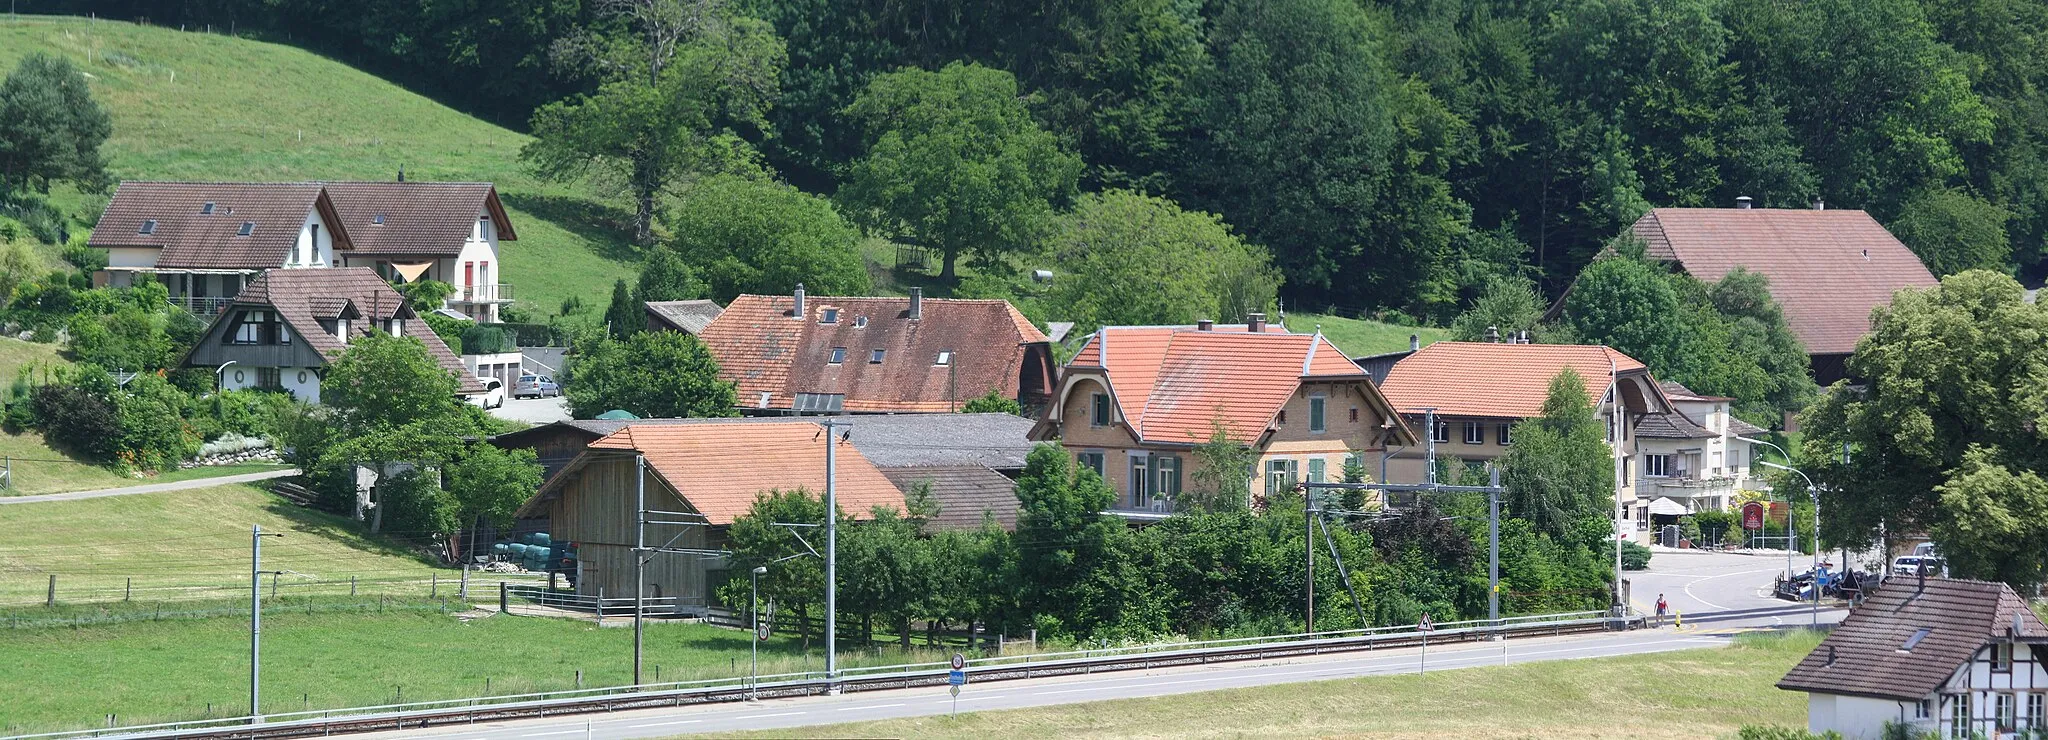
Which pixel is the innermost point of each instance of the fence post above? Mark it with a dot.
(128, 592)
(52, 601)
(434, 591)
(463, 592)
(504, 602)
(273, 584)
(351, 586)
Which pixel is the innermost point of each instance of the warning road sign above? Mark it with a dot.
(1425, 625)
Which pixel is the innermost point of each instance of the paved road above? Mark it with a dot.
(152, 487)
(1714, 585)
(809, 711)
(534, 410)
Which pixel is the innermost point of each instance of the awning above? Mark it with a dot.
(411, 271)
(1667, 507)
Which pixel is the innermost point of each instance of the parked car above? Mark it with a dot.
(535, 386)
(1913, 565)
(493, 395)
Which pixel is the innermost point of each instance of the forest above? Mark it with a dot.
(1392, 156)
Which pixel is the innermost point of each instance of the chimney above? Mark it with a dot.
(1818, 204)
(401, 173)
(1205, 325)
(798, 312)
(1255, 322)
(1414, 342)
(1525, 336)
(1742, 202)
(1493, 335)
(916, 303)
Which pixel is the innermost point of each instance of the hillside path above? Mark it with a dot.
(151, 487)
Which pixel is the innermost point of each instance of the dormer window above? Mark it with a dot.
(945, 358)
(829, 316)
(248, 227)
(860, 322)
(148, 227)
(206, 210)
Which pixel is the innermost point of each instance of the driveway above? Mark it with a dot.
(534, 410)
(152, 487)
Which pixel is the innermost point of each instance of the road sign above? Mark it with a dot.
(762, 630)
(959, 662)
(1425, 625)
(956, 678)
(954, 690)
(1752, 515)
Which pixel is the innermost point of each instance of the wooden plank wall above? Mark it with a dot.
(595, 511)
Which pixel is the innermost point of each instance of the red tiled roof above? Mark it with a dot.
(719, 468)
(1172, 383)
(304, 297)
(420, 218)
(1827, 269)
(1507, 381)
(761, 347)
(194, 240)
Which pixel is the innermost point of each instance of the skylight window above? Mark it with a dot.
(248, 227)
(206, 210)
(945, 358)
(875, 358)
(148, 227)
(830, 316)
(860, 322)
(838, 355)
(1914, 639)
(377, 219)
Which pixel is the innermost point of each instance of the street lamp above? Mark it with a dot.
(1812, 494)
(754, 664)
(220, 381)
(1788, 503)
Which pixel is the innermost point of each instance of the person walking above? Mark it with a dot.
(1663, 608)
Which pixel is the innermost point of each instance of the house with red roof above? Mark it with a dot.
(1827, 268)
(701, 475)
(810, 354)
(1136, 400)
(1469, 396)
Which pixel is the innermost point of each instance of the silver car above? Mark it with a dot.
(535, 386)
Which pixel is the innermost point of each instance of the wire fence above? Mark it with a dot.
(145, 599)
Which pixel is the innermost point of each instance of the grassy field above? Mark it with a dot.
(190, 106)
(61, 678)
(184, 544)
(1704, 693)
(1361, 337)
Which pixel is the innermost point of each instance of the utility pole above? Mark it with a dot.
(831, 556)
(639, 559)
(1308, 525)
(1615, 433)
(1493, 546)
(256, 572)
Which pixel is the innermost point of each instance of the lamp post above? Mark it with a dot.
(1812, 494)
(220, 379)
(1788, 503)
(754, 664)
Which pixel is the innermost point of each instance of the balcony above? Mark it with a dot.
(488, 293)
(1156, 507)
(202, 306)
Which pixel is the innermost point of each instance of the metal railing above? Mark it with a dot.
(414, 715)
(202, 305)
(486, 293)
(605, 606)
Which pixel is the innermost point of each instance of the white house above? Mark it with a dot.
(1948, 656)
(1693, 457)
(206, 240)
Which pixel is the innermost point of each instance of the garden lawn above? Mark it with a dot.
(1705, 693)
(66, 678)
(189, 544)
(197, 106)
(1361, 337)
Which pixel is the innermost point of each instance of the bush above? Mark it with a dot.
(416, 504)
(78, 419)
(1634, 556)
(483, 340)
(154, 435)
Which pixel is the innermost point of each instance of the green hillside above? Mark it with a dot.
(1361, 337)
(193, 106)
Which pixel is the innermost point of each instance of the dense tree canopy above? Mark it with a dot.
(1131, 259)
(754, 236)
(650, 374)
(50, 126)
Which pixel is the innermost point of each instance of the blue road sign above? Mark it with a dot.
(956, 678)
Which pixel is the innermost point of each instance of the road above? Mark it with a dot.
(152, 487)
(534, 410)
(1716, 585)
(819, 710)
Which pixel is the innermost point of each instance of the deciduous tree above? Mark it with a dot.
(756, 236)
(1124, 258)
(651, 374)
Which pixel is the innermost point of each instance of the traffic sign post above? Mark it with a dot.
(1425, 627)
(957, 678)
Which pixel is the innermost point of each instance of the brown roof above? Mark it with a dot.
(1865, 655)
(965, 493)
(718, 469)
(1671, 425)
(1827, 269)
(420, 218)
(688, 317)
(194, 240)
(1172, 383)
(306, 297)
(761, 347)
(1506, 381)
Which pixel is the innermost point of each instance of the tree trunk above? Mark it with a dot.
(903, 631)
(645, 183)
(946, 271)
(867, 629)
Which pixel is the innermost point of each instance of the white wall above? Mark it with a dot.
(242, 377)
(322, 251)
(1856, 717)
(132, 256)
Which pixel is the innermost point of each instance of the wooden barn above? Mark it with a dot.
(711, 470)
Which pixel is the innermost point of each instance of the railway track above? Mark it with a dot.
(350, 721)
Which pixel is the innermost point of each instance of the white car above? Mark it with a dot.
(1913, 565)
(493, 395)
